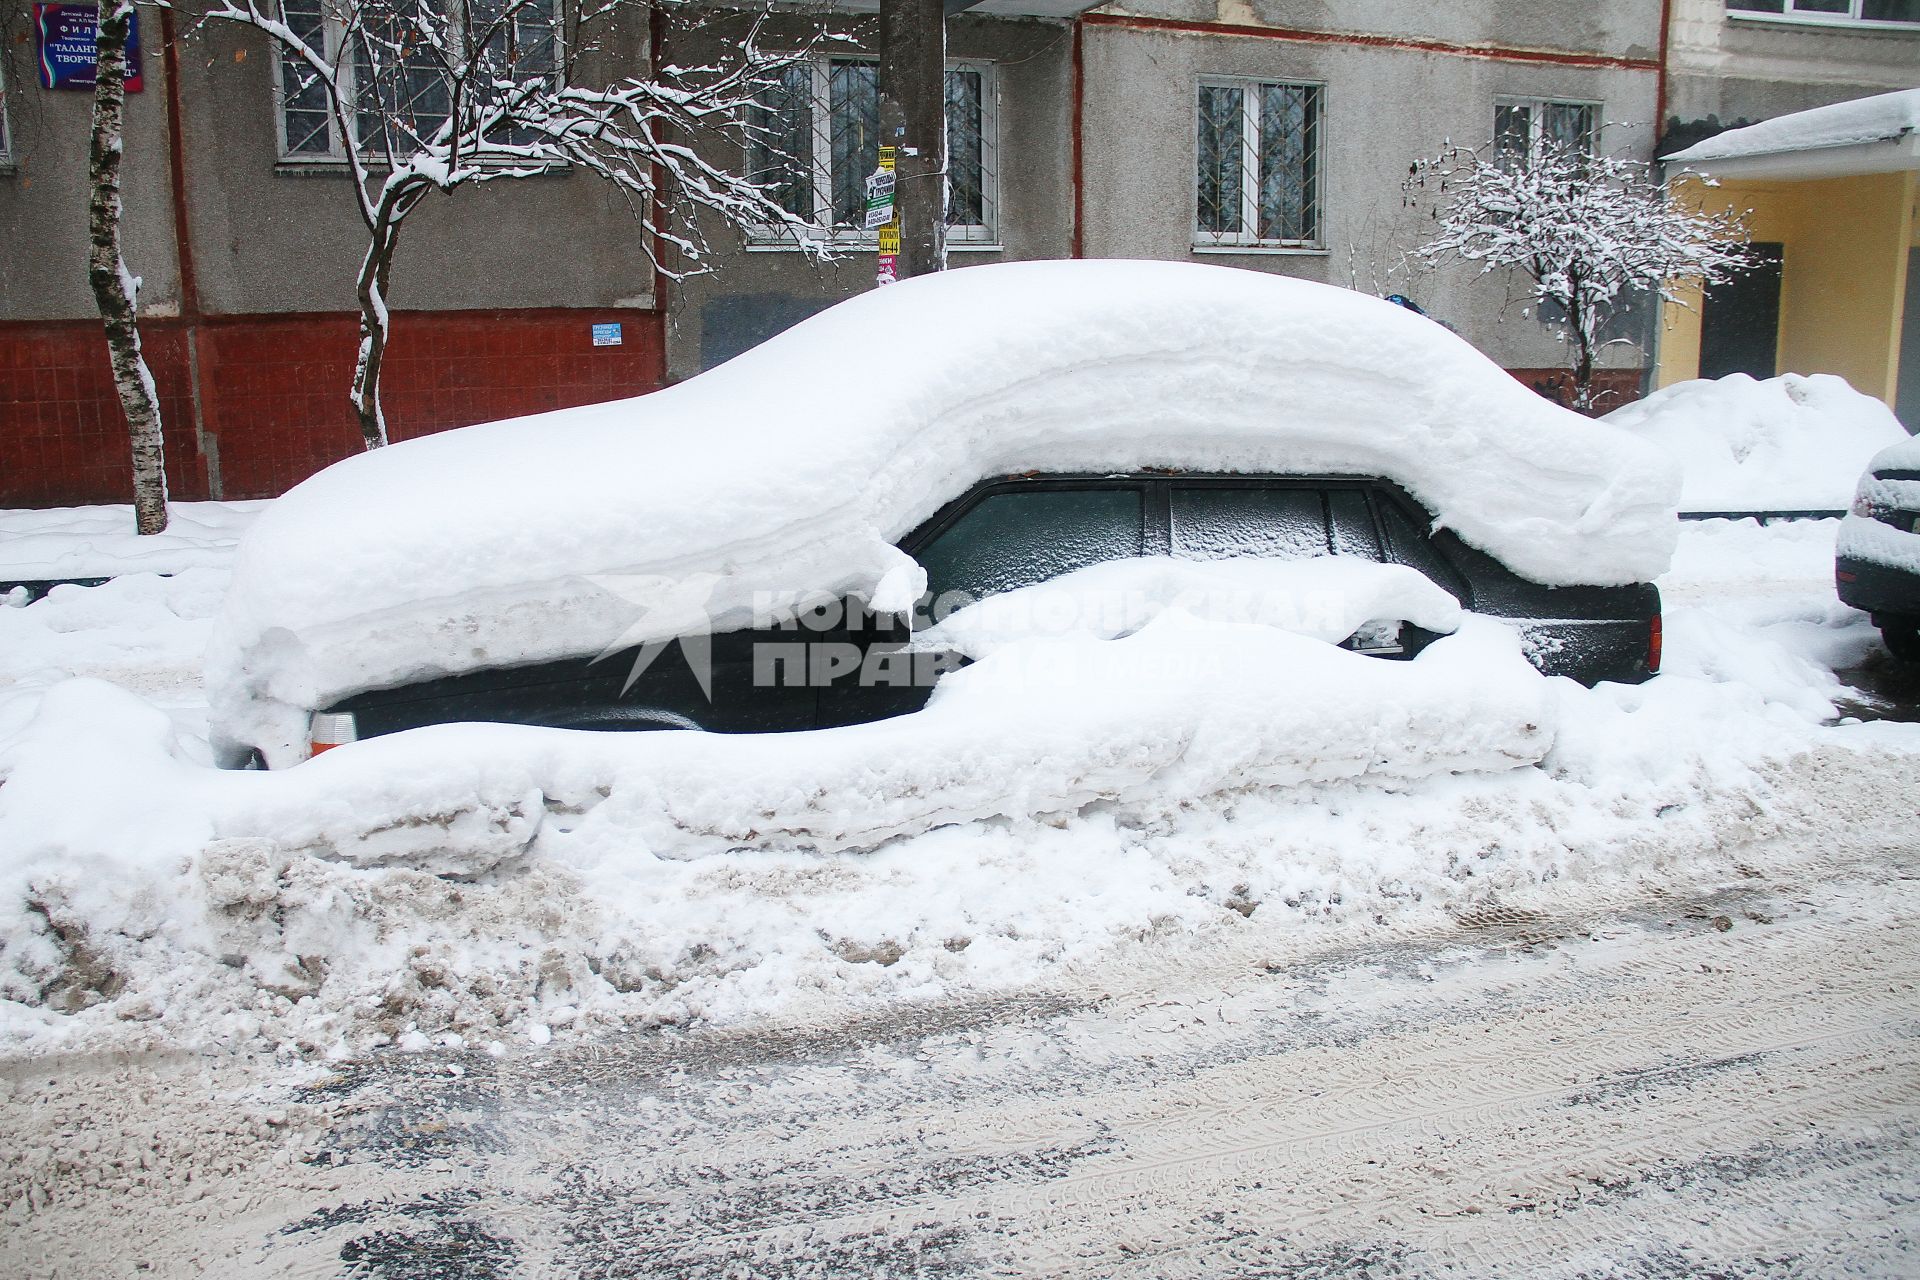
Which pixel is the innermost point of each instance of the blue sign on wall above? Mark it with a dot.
(65, 34)
(606, 335)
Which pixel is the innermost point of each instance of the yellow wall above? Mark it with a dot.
(1843, 276)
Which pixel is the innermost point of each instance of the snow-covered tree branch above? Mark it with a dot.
(423, 96)
(1589, 232)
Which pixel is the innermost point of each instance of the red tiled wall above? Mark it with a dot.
(1612, 387)
(273, 392)
(63, 439)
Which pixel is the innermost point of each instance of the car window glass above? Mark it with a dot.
(1410, 545)
(1352, 524)
(1217, 523)
(1016, 539)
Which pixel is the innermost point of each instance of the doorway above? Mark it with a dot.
(1740, 320)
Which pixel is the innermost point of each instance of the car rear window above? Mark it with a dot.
(1011, 540)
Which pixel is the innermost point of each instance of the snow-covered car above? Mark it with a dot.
(785, 517)
(1877, 557)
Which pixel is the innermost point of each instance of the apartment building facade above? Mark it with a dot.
(1269, 136)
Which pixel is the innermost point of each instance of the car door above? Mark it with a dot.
(1002, 536)
(1277, 518)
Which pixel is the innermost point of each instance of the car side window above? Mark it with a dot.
(1351, 524)
(1017, 538)
(1220, 522)
(1409, 544)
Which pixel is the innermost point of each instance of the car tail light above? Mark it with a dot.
(1654, 642)
(1841, 575)
(332, 729)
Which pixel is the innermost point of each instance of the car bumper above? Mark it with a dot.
(1880, 589)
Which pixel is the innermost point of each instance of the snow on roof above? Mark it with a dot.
(1882, 118)
(796, 467)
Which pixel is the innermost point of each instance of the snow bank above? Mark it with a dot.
(1064, 799)
(100, 542)
(328, 879)
(1869, 539)
(1881, 118)
(1328, 598)
(796, 466)
(1790, 443)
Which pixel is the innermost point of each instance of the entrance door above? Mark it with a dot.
(1740, 321)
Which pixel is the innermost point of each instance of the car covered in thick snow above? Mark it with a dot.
(755, 548)
(1877, 557)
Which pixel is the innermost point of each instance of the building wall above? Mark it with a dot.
(1399, 84)
(495, 289)
(1741, 70)
(749, 294)
(1843, 275)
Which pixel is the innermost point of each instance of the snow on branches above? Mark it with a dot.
(418, 96)
(1589, 232)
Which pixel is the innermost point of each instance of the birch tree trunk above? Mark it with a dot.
(114, 288)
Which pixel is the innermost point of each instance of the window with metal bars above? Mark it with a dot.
(1522, 125)
(814, 138)
(1902, 13)
(1257, 167)
(394, 73)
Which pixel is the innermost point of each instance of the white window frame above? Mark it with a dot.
(1247, 239)
(960, 236)
(333, 33)
(1537, 113)
(1818, 18)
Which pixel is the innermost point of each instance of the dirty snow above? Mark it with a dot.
(1789, 443)
(1881, 118)
(794, 468)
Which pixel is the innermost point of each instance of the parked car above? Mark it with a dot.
(1877, 560)
(1015, 531)
(992, 427)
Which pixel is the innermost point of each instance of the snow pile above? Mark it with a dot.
(487, 848)
(795, 467)
(1881, 118)
(1868, 539)
(1790, 443)
(1761, 596)
(1326, 598)
(100, 542)
(1065, 797)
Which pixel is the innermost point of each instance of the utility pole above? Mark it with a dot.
(913, 121)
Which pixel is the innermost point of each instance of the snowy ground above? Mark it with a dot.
(1543, 1018)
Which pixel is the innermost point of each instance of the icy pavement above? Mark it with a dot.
(1715, 1076)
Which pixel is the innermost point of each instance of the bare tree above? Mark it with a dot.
(424, 96)
(116, 290)
(1589, 233)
